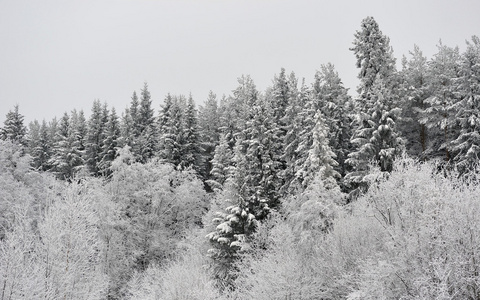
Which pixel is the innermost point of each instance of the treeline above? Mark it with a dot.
(273, 179)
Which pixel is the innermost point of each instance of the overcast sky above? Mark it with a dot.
(59, 55)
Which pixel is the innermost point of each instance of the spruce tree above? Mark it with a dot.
(146, 140)
(33, 141)
(376, 137)
(293, 127)
(416, 89)
(14, 129)
(279, 98)
(374, 56)
(234, 226)
(134, 115)
(320, 161)
(128, 125)
(110, 143)
(439, 116)
(145, 116)
(209, 134)
(170, 130)
(66, 159)
(466, 147)
(251, 191)
(39, 145)
(190, 146)
(76, 139)
(221, 165)
(306, 123)
(336, 106)
(95, 138)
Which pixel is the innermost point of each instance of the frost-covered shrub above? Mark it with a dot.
(71, 247)
(185, 278)
(156, 206)
(429, 225)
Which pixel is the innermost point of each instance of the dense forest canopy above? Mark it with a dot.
(300, 191)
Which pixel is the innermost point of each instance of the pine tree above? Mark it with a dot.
(39, 146)
(374, 56)
(66, 159)
(320, 160)
(76, 139)
(146, 139)
(258, 145)
(280, 96)
(170, 129)
(439, 116)
(128, 127)
(230, 109)
(81, 131)
(415, 76)
(13, 128)
(190, 147)
(234, 226)
(306, 123)
(336, 106)
(33, 140)
(209, 134)
(376, 137)
(134, 115)
(145, 112)
(466, 147)
(58, 162)
(221, 165)
(294, 122)
(95, 138)
(251, 191)
(110, 143)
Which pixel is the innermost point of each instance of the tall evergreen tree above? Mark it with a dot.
(190, 147)
(66, 159)
(134, 114)
(146, 139)
(95, 138)
(76, 138)
(110, 143)
(234, 226)
(320, 159)
(14, 129)
(128, 125)
(170, 129)
(306, 123)
(417, 91)
(336, 106)
(376, 137)
(374, 56)
(145, 112)
(40, 147)
(293, 127)
(209, 133)
(221, 165)
(466, 147)
(279, 97)
(439, 116)
(33, 140)
(252, 188)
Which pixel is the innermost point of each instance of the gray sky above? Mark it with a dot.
(59, 55)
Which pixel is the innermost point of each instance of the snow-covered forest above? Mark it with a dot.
(301, 191)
